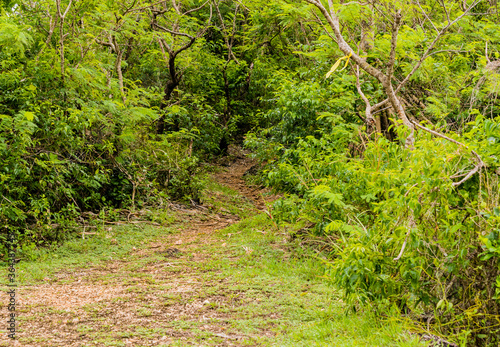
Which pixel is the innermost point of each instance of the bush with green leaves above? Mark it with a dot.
(399, 229)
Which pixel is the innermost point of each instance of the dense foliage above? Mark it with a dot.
(380, 122)
(407, 213)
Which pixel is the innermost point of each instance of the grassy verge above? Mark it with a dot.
(108, 243)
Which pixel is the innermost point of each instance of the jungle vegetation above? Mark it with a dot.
(378, 121)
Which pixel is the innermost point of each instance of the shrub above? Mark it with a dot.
(398, 231)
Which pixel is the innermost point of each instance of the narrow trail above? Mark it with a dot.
(154, 289)
(232, 177)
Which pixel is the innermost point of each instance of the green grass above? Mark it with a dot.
(287, 294)
(259, 285)
(112, 243)
(224, 199)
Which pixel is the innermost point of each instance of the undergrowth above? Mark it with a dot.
(399, 226)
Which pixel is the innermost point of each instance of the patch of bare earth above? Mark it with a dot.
(170, 297)
(232, 176)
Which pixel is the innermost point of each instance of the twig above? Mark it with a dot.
(469, 175)
(133, 222)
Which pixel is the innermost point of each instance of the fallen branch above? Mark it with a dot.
(85, 233)
(470, 174)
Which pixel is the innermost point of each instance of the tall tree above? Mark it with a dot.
(178, 30)
(392, 16)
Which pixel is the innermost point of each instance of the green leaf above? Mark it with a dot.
(29, 116)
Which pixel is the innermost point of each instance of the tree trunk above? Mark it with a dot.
(161, 125)
(120, 73)
(173, 83)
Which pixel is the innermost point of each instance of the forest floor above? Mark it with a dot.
(220, 274)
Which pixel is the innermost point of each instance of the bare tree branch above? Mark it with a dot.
(195, 9)
(427, 17)
(107, 44)
(62, 36)
(394, 38)
(52, 26)
(176, 7)
(369, 120)
(228, 39)
(333, 21)
(426, 54)
(479, 162)
(403, 247)
(441, 2)
(172, 31)
(324, 27)
(431, 46)
(469, 175)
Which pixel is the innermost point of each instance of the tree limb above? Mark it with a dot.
(195, 9)
(333, 21)
(431, 46)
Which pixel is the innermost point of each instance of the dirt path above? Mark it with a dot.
(146, 297)
(232, 177)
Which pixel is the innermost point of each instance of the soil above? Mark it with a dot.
(239, 164)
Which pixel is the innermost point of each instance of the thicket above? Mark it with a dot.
(109, 105)
(389, 159)
(378, 120)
